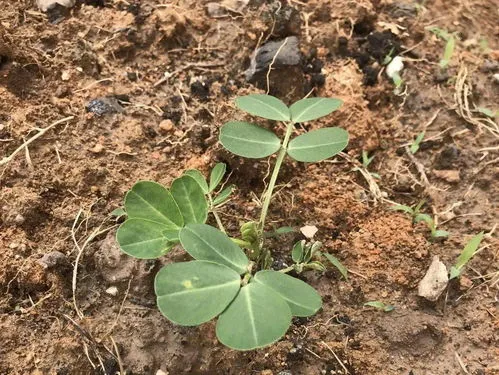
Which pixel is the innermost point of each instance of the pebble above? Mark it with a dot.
(289, 55)
(97, 149)
(166, 125)
(451, 176)
(435, 280)
(19, 219)
(112, 290)
(161, 372)
(53, 259)
(104, 105)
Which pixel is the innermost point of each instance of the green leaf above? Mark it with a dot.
(315, 265)
(224, 195)
(403, 208)
(312, 108)
(424, 217)
(217, 174)
(150, 201)
(448, 51)
(297, 252)
(143, 239)
(469, 251)
(454, 272)
(488, 112)
(335, 262)
(415, 145)
(265, 106)
(439, 233)
(279, 232)
(190, 199)
(191, 293)
(380, 305)
(204, 242)
(248, 140)
(318, 144)
(257, 317)
(199, 178)
(118, 212)
(303, 300)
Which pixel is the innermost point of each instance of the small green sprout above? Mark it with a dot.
(380, 306)
(449, 45)
(415, 145)
(230, 278)
(417, 217)
(488, 112)
(468, 252)
(414, 211)
(366, 160)
(435, 233)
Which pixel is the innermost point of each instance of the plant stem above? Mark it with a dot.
(275, 173)
(215, 214)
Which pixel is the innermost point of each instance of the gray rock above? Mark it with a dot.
(104, 105)
(286, 77)
(435, 281)
(53, 259)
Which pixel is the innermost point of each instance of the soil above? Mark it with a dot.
(147, 84)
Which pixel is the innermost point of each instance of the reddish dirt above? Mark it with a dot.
(66, 182)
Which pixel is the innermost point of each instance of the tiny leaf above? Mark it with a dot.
(143, 239)
(150, 201)
(415, 145)
(265, 106)
(248, 140)
(335, 262)
(297, 252)
(199, 178)
(257, 317)
(204, 242)
(302, 299)
(224, 195)
(454, 272)
(469, 251)
(448, 51)
(424, 217)
(312, 108)
(118, 212)
(191, 293)
(217, 174)
(318, 144)
(488, 112)
(403, 208)
(380, 305)
(190, 199)
(440, 233)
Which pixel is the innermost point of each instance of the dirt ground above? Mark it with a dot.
(57, 193)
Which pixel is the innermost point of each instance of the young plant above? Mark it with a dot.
(366, 160)
(415, 144)
(414, 211)
(449, 45)
(230, 277)
(468, 252)
(380, 306)
(432, 226)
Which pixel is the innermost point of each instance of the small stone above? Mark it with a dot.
(94, 189)
(215, 10)
(65, 75)
(287, 21)
(104, 105)
(161, 372)
(13, 245)
(97, 149)
(496, 78)
(53, 259)
(19, 219)
(309, 231)
(166, 125)
(451, 176)
(45, 5)
(435, 281)
(112, 290)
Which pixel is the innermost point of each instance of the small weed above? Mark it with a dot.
(417, 217)
(488, 112)
(450, 44)
(468, 252)
(380, 306)
(415, 145)
(366, 160)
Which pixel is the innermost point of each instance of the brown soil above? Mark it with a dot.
(65, 183)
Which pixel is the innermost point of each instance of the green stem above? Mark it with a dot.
(275, 173)
(288, 269)
(215, 214)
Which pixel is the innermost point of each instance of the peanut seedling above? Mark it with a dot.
(230, 278)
